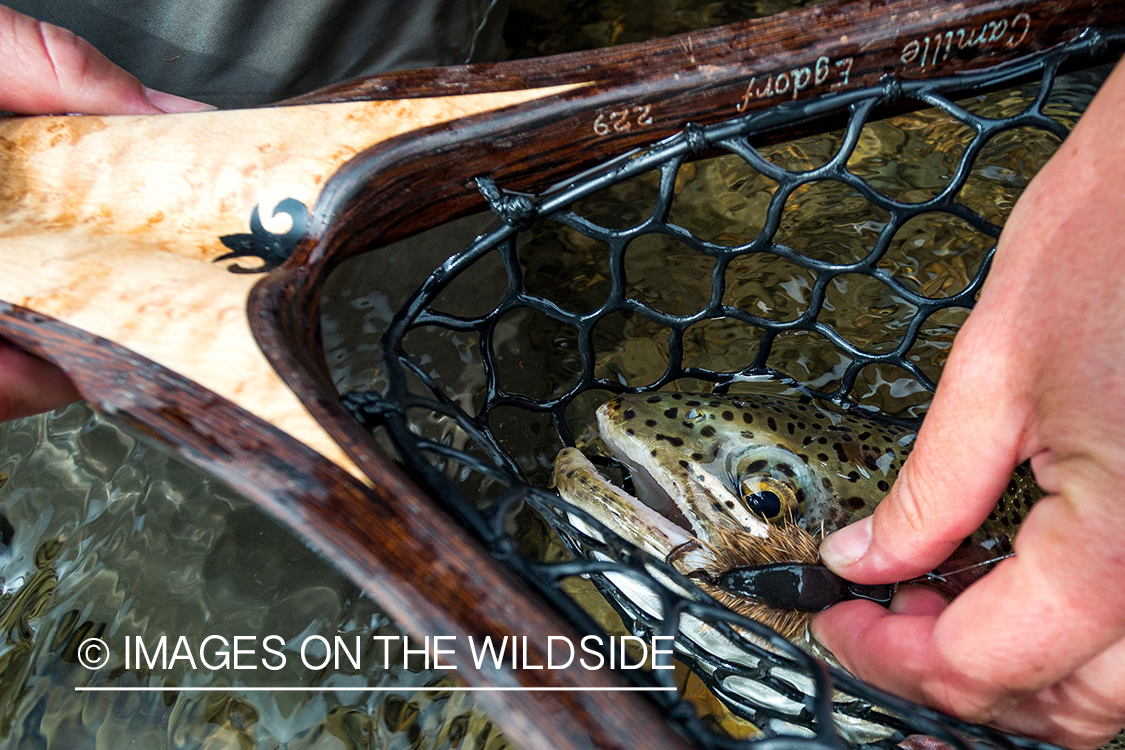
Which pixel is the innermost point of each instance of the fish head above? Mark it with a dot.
(750, 462)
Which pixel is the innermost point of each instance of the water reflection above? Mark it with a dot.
(129, 543)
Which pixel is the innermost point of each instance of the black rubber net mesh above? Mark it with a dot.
(820, 267)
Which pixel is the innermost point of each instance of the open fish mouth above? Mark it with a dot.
(704, 561)
(757, 480)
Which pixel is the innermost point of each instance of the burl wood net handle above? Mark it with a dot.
(114, 225)
(113, 232)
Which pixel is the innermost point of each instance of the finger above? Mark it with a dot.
(991, 648)
(837, 627)
(962, 461)
(49, 70)
(29, 385)
(902, 653)
(1084, 711)
(864, 636)
(917, 600)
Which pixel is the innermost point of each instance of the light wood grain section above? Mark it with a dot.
(111, 224)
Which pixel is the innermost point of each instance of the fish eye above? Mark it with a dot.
(766, 504)
(770, 499)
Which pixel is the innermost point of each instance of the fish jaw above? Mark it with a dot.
(579, 483)
(582, 485)
(698, 494)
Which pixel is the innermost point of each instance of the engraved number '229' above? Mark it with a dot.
(621, 120)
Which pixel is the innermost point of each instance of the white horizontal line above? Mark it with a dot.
(365, 689)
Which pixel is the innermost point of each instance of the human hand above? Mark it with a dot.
(28, 385)
(48, 70)
(1038, 645)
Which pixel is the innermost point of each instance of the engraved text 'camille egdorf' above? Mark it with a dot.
(932, 50)
(922, 53)
(792, 82)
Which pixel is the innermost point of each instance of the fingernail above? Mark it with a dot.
(173, 104)
(846, 546)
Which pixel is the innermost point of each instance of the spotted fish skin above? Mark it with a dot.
(697, 458)
(839, 466)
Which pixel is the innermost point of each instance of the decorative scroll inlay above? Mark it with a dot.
(272, 249)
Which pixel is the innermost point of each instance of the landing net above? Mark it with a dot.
(577, 304)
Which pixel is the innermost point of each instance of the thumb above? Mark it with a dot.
(960, 465)
(48, 70)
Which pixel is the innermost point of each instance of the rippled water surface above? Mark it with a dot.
(101, 535)
(106, 537)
